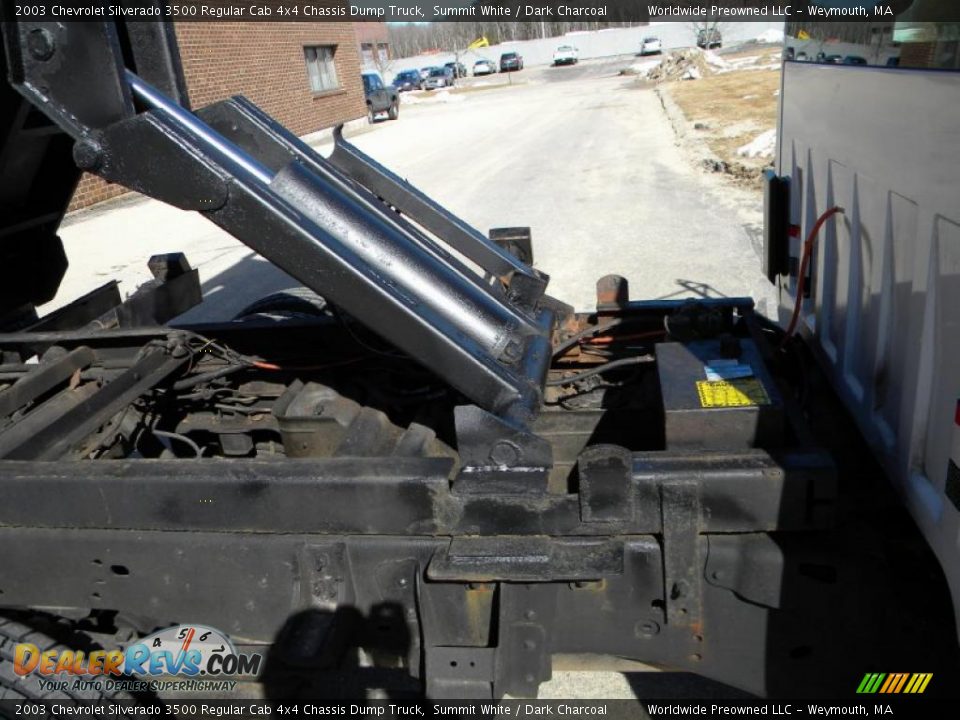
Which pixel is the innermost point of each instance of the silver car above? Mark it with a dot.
(439, 77)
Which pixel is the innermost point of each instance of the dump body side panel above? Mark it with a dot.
(883, 312)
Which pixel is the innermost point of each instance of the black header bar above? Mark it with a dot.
(487, 10)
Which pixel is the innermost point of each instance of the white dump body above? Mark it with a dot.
(884, 311)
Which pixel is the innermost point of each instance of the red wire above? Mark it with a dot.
(606, 339)
(802, 275)
(273, 366)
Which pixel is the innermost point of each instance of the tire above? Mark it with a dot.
(394, 112)
(34, 630)
(299, 302)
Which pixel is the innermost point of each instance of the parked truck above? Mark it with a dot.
(423, 460)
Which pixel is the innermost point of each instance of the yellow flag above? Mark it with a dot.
(479, 43)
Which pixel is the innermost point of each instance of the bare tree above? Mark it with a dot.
(418, 38)
(383, 62)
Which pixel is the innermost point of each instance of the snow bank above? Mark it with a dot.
(773, 35)
(764, 145)
(437, 96)
(715, 60)
(638, 69)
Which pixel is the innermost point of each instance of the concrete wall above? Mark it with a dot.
(592, 44)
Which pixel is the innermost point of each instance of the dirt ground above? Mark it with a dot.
(730, 109)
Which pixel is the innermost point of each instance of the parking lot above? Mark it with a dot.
(582, 155)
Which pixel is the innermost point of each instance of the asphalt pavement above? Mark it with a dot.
(583, 156)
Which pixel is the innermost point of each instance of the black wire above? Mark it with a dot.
(360, 341)
(625, 362)
(207, 376)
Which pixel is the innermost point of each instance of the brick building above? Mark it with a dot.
(305, 74)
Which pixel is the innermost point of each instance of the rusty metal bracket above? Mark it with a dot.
(523, 658)
(682, 561)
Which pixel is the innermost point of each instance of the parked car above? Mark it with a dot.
(854, 60)
(381, 98)
(425, 72)
(566, 55)
(802, 56)
(709, 39)
(439, 77)
(407, 80)
(511, 61)
(484, 67)
(459, 70)
(651, 46)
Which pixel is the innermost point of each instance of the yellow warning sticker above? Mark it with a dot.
(741, 392)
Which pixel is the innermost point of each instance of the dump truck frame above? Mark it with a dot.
(711, 537)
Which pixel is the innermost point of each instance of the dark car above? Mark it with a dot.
(459, 70)
(381, 98)
(511, 61)
(854, 60)
(707, 39)
(407, 80)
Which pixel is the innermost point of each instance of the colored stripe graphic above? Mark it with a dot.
(894, 683)
(891, 680)
(903, 681)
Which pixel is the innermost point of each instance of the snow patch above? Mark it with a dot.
(773, 35)
(764, 145)
(713, 59)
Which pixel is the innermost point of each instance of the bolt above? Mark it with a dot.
(716, 575)
(512, 352)
(40, 44)
(646, 628)
(504, 453)
(87, 155)
(530, 614)
(696, 657)
(402, 582)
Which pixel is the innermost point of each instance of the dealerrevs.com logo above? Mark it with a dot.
(184, 651)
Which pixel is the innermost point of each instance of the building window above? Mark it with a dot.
(321, 70)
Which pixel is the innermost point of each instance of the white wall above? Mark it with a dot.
(592, 44)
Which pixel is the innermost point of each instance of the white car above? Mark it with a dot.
(651, 46)
(484, 67)
(566, 55)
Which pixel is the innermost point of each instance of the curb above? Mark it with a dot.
(326, 134)
(683, 131)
